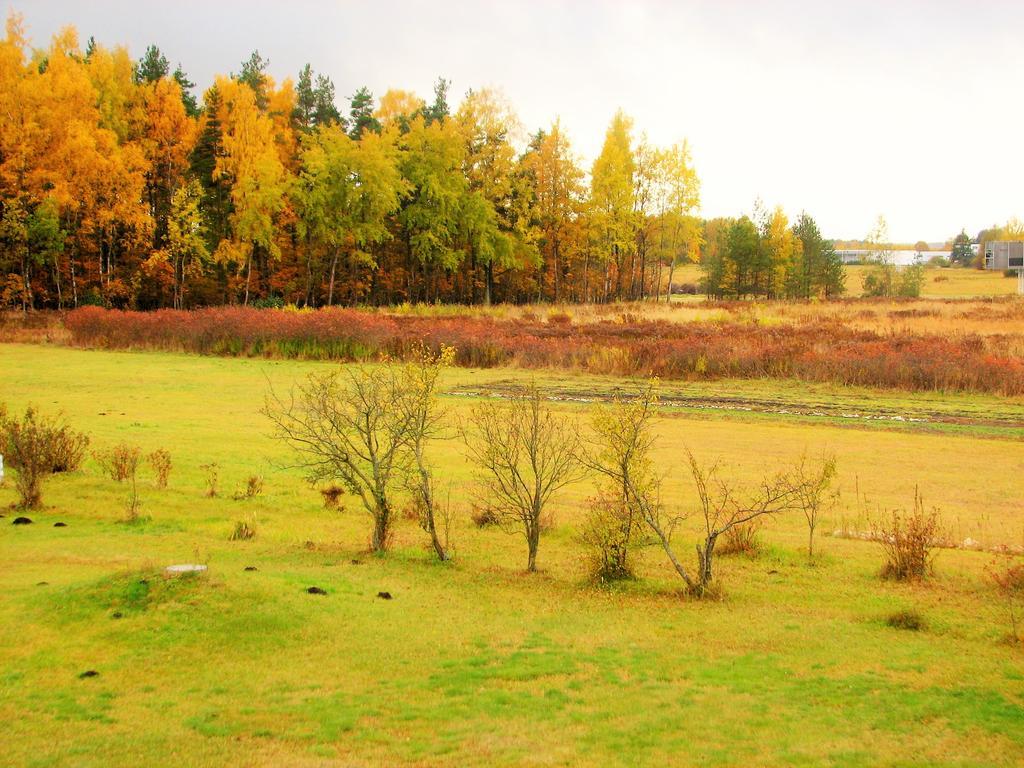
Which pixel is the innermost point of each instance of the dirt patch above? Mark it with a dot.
(835, 411)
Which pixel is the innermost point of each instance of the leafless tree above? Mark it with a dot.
(722, 509)
(417, 397)
(812, 482)
(524, 453)
(348, 426)
(620, 452)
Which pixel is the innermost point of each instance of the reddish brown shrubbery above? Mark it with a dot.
(826, 350)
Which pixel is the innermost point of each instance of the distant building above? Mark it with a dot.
(1004, 255)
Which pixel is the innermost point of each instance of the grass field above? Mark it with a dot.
(475, 662)
(939, 282)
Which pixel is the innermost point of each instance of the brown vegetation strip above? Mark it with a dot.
(827, 350)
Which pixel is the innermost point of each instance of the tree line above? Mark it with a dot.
(119, 187)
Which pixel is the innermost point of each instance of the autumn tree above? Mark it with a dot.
(612, 202)
(430, 219)
(495, 224)
(557, 182)
(259, 181)
(677, 195)
(345, 192)
(186, 238)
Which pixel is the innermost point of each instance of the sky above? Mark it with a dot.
(846, 110)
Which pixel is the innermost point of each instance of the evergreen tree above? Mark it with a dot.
(187, 97)
(152, 66)
(305, 100)
(209, 146)
(254, 74)
(962, 253)
(439, 110)
(362, 114)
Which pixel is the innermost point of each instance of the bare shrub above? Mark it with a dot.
(212, 471)
(120, 463)
(332, 496)
(908, 539)
(722, 509)
(37, 446)
(160, 462)
(1007, 574)
(524, 454)
(910, 620)
(741, 540)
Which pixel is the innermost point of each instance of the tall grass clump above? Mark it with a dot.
(908, 539)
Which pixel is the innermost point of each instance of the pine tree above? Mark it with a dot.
(152, 66)
(362, 114)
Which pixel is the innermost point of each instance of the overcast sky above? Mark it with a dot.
(846, 110)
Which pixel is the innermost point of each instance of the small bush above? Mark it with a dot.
(910, 620)
(38, 446)
(121, 462)
(67, 449)
(484, 516)
(908, 539)
(160, 461)
(332, 496)
(608, 534)
(741, 540)
(212, 471)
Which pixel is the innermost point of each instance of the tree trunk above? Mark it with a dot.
(381, 527)
(705, 557)
(330, 290)
(248, 276)
(532, 542)
(586, 277)
(56, 281)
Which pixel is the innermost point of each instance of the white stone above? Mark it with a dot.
(176, 570)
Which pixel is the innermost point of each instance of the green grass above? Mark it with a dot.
(475, 662)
